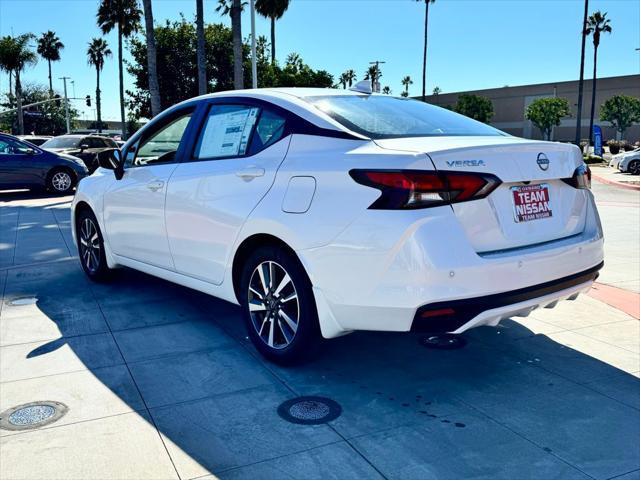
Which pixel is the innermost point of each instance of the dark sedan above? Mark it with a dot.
(85, 147)
(23, 165)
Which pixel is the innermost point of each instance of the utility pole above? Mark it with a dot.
(73, 88)
(254, 62)
(375, 85)
(66, 103)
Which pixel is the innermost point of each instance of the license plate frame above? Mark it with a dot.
(531, 202)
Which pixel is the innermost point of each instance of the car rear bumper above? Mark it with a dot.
(460, 315)
(379, 273)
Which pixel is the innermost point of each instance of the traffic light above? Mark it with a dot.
(87, 100)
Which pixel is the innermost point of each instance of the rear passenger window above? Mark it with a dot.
(269, 130)
(227, 131)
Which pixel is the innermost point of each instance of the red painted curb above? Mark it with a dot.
(619, 298)
(614, 183)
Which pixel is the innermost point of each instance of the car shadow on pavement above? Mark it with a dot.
(511, 404)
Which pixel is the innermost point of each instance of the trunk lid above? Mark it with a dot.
(533, 205)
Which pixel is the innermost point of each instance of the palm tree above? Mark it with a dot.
(125, 16)
(49, 46)
(15, 56)
(350, 76)
(437, 91)
(426, 37)
(152, 63)
(274, 10)
(202, 71)
(294, 61)
(233, 8)
(581, 81)
(98, 50)
(374, 74)
(597, 23)
(406, 81)
(343, 80)
(386, 90)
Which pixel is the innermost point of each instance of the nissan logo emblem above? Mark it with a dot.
(543, 162)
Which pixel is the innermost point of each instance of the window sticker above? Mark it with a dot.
(227, 133)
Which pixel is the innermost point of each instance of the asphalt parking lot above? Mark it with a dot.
(160, 381)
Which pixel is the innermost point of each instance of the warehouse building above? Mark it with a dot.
(510, 103)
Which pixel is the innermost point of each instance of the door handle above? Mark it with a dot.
(250, 173)
(155, 185)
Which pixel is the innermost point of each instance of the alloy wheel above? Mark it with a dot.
(634, 167)
(273, 305)
(89, 245)
(61, 181)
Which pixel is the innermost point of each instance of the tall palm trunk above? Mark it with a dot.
(202, 72)
(50, 81)
(424, 57)
(19, 104)
(121, 78)
(593, 94)
(10, 83)
(152, 69)
(236, 27)
(273, 41)
(98, 104)
(581, 81)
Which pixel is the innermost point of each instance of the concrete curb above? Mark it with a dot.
(614, 183)
(624, 300)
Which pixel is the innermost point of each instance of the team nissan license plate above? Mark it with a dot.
(531, 202)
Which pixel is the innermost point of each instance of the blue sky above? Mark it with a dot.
(473, 44)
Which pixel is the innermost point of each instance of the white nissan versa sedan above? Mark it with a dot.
(324, 211)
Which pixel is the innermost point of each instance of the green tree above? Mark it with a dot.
(125, 16)
(152, 66)
(386, 90)
(44, 119)
(426, 37)
(597, 24)
(545, 113)
(621, 111)
(96, 53)
(15, 56)
(475, 106)
(273, 10)
(350, 76)
(374, 73)
(49, 46)
(437, 91)
(233, 8)
(406, 81)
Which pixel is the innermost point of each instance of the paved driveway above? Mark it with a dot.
(161, 382)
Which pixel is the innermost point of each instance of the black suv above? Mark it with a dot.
(85, 147)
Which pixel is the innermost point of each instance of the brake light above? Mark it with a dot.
(409, 189)
(581, 178)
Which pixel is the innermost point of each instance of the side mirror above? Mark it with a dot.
(83, 147)
(111, 159)
(31, 151)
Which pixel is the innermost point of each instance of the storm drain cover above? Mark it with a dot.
(443, 341)
(309, 410)
(16, 302)
(32, 415)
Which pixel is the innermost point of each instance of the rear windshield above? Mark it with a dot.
(62, 142)
(381, 116)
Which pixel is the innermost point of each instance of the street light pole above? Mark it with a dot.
(66, 103)
(254, 64)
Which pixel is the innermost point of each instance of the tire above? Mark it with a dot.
(91, 247)
(634, 167)
(61, 181)
(281, 318)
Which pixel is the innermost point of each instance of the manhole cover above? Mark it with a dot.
(309, 410)
(443, 341)
(32, 415)
(22, 301)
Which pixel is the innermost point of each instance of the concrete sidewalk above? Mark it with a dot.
(614, 177)
(161, 382)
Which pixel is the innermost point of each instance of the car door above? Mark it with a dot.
(212, 192)
(19, 166)
(134, 205)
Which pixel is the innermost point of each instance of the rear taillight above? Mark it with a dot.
(406, 189)
(581, 178)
